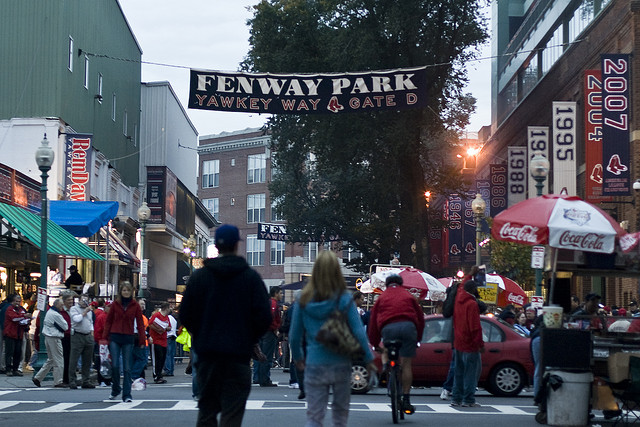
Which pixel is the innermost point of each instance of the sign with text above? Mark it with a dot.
(538, 142)
(454, 234)
(308, 93)
(488, 293)
(537, 257)
(615, 125)
(272, 232)
(77, 167)
(593, 136)
(498, 188)
(517, 174)
(564, 147)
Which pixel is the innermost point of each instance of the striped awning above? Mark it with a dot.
(59, 241)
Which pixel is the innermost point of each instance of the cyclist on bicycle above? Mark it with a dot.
(396, 315)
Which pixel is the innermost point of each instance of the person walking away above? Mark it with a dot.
(396, 315)
(141, 350)
(53, 330)
(172, 334)
(119, 332)
(16, 321)
(269, 342)
(82, 342)
(324, 369)
(74, 282)
(158, 327)
(468, 344)
(226, 309)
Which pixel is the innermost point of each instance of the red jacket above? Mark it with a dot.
(12, 322)
(159, 338)
(395, 304)
(120, 321)
(276, 318)
(98, 324)
(467, 330)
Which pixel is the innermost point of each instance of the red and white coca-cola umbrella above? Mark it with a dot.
(560, 221)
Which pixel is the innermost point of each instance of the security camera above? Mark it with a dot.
(636, 185)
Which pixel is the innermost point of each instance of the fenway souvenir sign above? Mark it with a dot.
(308, 93)
(616, 157)
(77, 167)
(272, 232)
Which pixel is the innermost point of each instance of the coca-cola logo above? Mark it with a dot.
(588, 241)
(525, 233)
(518, 299)
(577, 216)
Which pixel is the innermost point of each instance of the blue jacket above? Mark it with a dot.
(308, 320)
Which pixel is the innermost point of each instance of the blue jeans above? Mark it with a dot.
(448, 383)
(140, 360)
(195, 391)
(171, 355)
(539, 370)
(466, 377)
(126, 350)
(262, 370)
(318, 379)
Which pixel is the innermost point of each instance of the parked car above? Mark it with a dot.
(507, 365)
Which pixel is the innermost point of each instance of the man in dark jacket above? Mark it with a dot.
(226, 309)
(468, 344)
(74, 282)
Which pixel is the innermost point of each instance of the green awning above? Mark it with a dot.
(59, 241)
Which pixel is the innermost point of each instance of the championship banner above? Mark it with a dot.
(469, 228)
(538, 143)
(397, 89)
(454, 215)
(77, 166)
(593, 135)
(498, 180)
(272, 232)
(436, 239)
(517, 178)
(564, 147)
(615, 125)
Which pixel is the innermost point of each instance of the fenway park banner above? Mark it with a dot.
(308, 93)
(593, 135)
(616, 156)
(77, 167)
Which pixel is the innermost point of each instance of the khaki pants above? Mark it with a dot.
(54, 361)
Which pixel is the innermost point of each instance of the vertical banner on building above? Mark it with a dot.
(563, 148)
(436, 239)
(77, 167)
(454, 215)
(469, 228)
(593, 136)
(498, 188)
(615, 125)
(517, 178)
(538, 143)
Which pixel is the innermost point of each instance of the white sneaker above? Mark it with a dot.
(294, 385)
(445, 395)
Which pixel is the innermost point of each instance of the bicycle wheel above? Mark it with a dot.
(393, 393)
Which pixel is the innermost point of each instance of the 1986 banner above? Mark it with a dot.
(308, 93)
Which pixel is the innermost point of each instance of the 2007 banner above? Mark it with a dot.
(308, 93)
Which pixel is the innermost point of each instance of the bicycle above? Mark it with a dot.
(394, 383)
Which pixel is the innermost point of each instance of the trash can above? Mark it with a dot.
(568, 404)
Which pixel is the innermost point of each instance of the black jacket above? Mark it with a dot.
(226, 308)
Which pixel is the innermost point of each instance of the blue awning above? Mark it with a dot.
(82, 219)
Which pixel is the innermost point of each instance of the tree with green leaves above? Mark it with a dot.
(362, 176)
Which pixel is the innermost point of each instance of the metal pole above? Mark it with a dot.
(42, 353)
(478, 231)
(142, 241)
(539, 186)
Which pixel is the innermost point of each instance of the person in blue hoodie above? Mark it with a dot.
(324, 369)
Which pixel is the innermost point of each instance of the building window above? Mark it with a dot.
(210, 173)
(529, 77)
(256, 168)
(125, 120)
(100, 88)
(275, 216)
(277, 252)
(113, 107)
(310, 251)
(553, 50)
(349, 254)
(255, 250)
(70, 60)
(255, 208)
(582, 16)
(213, 206)
(86, 72)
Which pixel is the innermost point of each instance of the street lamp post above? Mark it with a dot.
(478, 206)
(539, 167)
(144, 213)
(44, 159)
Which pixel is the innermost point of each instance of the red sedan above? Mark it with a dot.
(507, 365)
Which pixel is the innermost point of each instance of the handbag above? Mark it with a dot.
(336, 335)
(105, 361)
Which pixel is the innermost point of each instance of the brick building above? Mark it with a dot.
(542, 50)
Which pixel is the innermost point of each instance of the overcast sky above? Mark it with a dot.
(212, 34)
